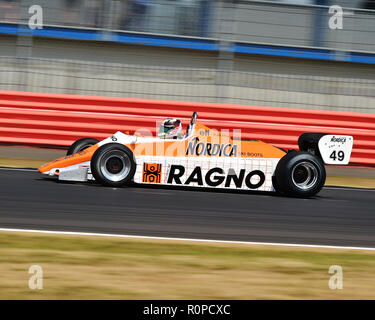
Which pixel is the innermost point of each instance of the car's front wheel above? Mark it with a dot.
(300, 173)
(81, 145)
(113, 165)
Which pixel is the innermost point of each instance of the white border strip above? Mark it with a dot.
(183, 239)
(18, 169)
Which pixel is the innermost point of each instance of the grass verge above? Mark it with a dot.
(77, 267)
(353, 182)
(21, 163)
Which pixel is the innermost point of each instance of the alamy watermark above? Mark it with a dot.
(36, 280)
(336, 21)
(336, 280)
(36, 18)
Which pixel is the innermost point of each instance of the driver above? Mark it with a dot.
(170, 128)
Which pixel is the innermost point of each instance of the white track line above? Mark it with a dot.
(184, 239)
(18, 169)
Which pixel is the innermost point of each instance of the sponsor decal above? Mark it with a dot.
(252, 154)
(151, 172)
(210, 149)
(216, 177)
(340, 139)
(204, 133)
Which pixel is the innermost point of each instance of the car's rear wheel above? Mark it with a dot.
(81, 145)
(300, 173)
(113, 165)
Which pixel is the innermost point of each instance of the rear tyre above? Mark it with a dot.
(81, 145)
(276, 186)
(113, 165)
(300, 174)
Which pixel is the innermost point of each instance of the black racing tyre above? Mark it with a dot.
(81, 145)
(276, 185)
(300, 174)
(113, 165)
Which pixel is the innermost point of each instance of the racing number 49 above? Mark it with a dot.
(337, 155)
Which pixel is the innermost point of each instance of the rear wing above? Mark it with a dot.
(336, 149)
(332, 149)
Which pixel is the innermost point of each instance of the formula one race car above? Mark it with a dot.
(205, 158)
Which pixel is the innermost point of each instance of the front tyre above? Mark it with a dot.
(113, 165)
(300, 174)
(81, 145)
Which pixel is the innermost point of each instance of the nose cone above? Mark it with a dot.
(58, 163)
(43, 168)
(70, 160)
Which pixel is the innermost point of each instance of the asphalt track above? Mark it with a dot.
(337, 217)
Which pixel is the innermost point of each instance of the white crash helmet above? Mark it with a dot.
(170, 128)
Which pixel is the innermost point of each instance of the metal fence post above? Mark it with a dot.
(24, 45)
(227, 13)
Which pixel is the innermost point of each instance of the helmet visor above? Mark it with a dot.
(165, 129)
(168, 126)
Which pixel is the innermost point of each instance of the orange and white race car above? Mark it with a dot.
(206, 158)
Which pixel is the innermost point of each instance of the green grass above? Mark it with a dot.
(77, 267)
